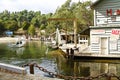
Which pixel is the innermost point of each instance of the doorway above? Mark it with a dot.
(104, 45)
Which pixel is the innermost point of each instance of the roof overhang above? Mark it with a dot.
(85, 31)
(95, 3)
(103, 27)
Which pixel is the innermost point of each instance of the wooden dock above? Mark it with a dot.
(89, 55)
(95, 56)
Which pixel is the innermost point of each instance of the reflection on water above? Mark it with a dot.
(18, 51)
(94, 68)
(54, 61)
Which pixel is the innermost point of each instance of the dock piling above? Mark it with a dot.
(72, 53)
(109, 77)
(67, 51)
(31, 68)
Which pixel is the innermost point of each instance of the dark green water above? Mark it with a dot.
(36, 51)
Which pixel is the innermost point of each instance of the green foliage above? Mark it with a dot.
(25, 25)
(31, 30)
(23, 19)
(10, 25)
(42, 27)
(79, 10)
(2, 28)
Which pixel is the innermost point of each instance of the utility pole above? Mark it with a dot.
(75, 32)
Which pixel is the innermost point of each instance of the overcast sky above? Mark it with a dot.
(45, 6)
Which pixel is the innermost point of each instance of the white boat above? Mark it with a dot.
(19, 43)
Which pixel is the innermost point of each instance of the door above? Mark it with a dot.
(104, 45)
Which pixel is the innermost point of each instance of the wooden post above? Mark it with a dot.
(72, 53)
(109, 78)
(31, 68)
(75, 32)
(68, 53)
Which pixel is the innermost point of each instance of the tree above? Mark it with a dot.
(2, 28)
(25, 25)
(34, 21)
(84, 14)
(10, 25)
(31, 30)
(24, 19)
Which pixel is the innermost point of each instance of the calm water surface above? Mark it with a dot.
(36, 51)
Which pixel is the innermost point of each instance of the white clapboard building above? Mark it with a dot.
(105, 34)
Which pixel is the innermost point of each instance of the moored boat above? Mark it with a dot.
(19, 43)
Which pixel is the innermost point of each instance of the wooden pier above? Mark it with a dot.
(95, 56)
(75, 54)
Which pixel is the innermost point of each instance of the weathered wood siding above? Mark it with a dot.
(100, 15)
(114, 41)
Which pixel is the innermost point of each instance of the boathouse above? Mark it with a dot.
(105, 34)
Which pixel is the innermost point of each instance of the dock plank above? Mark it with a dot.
(95, 56)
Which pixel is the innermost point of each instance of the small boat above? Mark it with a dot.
(19, 43)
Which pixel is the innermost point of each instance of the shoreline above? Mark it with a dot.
(8, 39)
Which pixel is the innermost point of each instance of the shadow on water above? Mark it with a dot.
(54, 61)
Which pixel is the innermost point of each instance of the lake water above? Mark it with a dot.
(54, 61)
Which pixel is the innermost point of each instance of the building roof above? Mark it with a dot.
(86, 31)
(95, 3)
